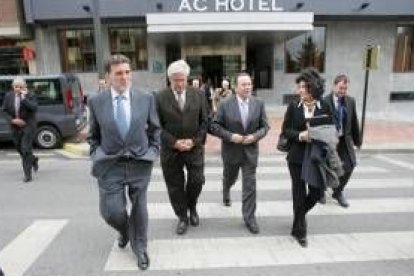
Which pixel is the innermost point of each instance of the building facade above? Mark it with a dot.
(271, 39)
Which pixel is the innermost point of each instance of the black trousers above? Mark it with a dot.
(230, 175)
(183, 188)
(304, 198)
(132, 176)
(23, 142)
(347, 163)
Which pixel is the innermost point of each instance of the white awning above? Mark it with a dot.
(229, 21)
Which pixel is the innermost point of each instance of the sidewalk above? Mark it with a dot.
(379, 136)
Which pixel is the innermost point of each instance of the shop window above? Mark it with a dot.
(404, 50)
(306, 50)
(131, 42)
(77, 50)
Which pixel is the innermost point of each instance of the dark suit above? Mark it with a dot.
(119, 162)
(189, 123)
(294, 122)
(228, 121)
(23, 136)
(351, 137)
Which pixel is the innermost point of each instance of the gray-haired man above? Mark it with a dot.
(183, 118)
(20, 108)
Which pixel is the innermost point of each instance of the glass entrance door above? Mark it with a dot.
(214, 68)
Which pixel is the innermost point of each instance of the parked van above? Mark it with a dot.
(61, 112)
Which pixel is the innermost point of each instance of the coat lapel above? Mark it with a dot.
(252, 107)
(134, 101)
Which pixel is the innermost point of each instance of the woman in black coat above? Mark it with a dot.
(310, 87)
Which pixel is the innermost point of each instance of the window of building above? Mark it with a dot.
(404, 50)
(77, 50)
(306, 50)
(131, 42)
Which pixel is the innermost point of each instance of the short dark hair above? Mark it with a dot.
(115, 60)
(241, 74)
(314, 82)
(341, 78)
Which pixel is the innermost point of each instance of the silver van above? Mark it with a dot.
(61, 110)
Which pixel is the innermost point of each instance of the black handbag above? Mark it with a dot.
(283, 144)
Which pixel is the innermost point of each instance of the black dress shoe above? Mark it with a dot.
(182, 227)
(227, 202)
(27, 179)
(302, 241)
(123, 240)
(253, 227)
(341, 199)
(36, 164)
(194, 218)
(143, 260)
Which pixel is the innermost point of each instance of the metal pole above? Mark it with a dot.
(98, 39)
(364, 104)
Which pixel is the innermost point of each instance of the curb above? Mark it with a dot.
(80, 149)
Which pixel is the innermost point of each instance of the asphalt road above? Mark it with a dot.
(52, 227)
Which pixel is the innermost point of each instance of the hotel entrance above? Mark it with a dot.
(213, 68)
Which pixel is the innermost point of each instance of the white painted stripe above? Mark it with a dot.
(284, 208)
(212, 170)
(267, 251)
(36, 153)
(395, 162)
(261, 170)
(23, 251)
(285, 184)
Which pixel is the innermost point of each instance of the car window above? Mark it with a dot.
(47, 91)
(5, 86)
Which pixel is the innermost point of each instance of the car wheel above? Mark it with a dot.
(47, 137)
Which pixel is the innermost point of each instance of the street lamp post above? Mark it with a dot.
(97, 37)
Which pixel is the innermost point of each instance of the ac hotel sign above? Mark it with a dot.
(229, 6)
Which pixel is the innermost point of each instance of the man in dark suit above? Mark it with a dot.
(124, 140)
(346, 121)
(20, 107)
(183, 118)
(241, 122)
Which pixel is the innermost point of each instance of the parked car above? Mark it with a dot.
(61, 110)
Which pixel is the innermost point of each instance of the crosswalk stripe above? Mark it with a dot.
(285, 184)
(267, 251)
(215, 170)
(30, 244)
(396, 162)
(278, 170)
(45, 154)
(284, 208)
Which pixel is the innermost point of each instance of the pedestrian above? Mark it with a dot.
(20, 107)
(195, 83)
(183, 118)
(310, 87)
(221, 93)
(346, 121)
(241, 122)
(124, 140)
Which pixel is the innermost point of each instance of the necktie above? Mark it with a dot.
(17, 101)
(180, 101)
(244, 113)
(340, 114)
(121, 120)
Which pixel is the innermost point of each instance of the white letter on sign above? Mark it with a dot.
(222, 4)
(184, 5)
(197, 6)
(234, 7)
(264, 5)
